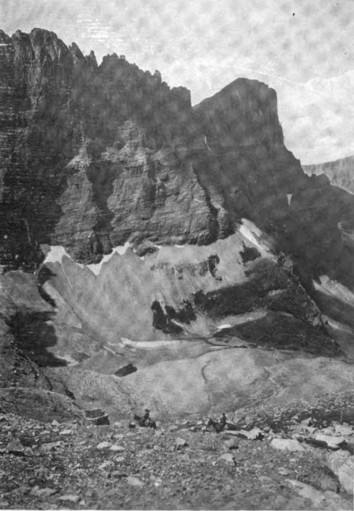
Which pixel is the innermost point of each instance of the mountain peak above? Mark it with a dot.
(4, 38)
(156, 168)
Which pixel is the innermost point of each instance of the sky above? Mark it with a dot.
(303, 48)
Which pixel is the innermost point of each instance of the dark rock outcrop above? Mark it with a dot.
(248, 172)
(86, 153)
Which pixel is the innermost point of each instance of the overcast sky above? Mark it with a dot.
(303, 48)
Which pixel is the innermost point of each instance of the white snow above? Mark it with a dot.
(289, 196)
(334, 288)
(225, 325)
(251, 232)
(57, 252)
(206, 143)
(71, 361)
(109, 349)
(146, 344)
(121, 250)
(339, 326)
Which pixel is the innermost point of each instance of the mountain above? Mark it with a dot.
(339, 172)
(144, 241)
(95, 155)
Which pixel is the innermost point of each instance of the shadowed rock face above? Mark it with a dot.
(88, 153)
(94, 155)
(248, 172)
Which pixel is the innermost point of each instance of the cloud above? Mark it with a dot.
(318, 118)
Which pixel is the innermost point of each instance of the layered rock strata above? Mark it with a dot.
(93, 155)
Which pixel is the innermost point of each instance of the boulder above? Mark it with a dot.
(180, 442)
(104, 445)
(134, 481)
(343, 430)
(15, 447)
(228, 458)
(287, 444)
(253, 434)
(342, 464)
(333, 442)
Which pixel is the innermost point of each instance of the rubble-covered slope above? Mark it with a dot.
(184, 463)
(221, 319)
(129, 330)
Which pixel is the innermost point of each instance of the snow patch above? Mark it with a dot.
(334, 288)
(251, 232)
(206, 143)
(289, 196)
(70, 361)
(56, 254)
(145, 344)
(225, 325)
(338, 326)
(109, 350)
(121, 250)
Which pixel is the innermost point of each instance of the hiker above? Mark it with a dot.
(146, 421)
(222, 423)
(146, 418)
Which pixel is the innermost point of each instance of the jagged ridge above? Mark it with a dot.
(93, 155)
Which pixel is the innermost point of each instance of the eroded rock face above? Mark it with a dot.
(92, 156)
(339, 172)
(248, 172)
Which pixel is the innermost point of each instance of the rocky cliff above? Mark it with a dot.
(339, 172)
(88, 153)
(92, 156)
(254, 175)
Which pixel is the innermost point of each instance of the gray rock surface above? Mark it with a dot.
(92, 156)
(339, 172)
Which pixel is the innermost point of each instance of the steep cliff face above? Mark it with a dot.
(38, 136)
(75, 139)
(334, 208)
(339, 172)
(246, 166)
(92, 156)
(248, 172)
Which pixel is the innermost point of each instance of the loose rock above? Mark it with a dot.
(286, 444)
(134, 481)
